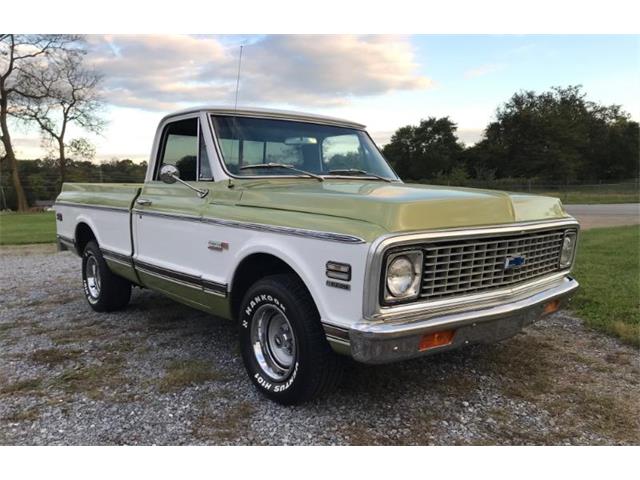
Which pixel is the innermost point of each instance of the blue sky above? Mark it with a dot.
(383, 81)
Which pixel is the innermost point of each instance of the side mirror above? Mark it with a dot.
(169, 174)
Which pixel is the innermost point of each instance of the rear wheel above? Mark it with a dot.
(104, 290)
(283, 344)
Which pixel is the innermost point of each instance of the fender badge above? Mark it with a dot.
(343, 286)
(217, 246)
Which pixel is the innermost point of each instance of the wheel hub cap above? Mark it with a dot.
(273, 342)
(92, 275)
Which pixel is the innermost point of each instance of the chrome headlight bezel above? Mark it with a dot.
(566, 261)
(415, 257)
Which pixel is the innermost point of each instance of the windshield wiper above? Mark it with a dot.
(283, 165)
(349, 171)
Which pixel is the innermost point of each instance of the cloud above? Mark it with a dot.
(484, 70)
(470, 136)
(164, 72)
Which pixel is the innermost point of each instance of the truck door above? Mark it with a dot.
(169, 237)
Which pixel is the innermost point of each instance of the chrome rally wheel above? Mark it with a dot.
(92, 276)
(273, 341)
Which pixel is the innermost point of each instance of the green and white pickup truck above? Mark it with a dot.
(294, 227)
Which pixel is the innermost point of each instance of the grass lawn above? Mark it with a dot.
(608, 269)
(20, 229)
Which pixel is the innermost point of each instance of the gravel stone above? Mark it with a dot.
(70, 376)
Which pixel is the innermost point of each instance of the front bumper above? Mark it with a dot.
(384, 342)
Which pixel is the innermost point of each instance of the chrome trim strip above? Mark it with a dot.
(119, 262)
(267, 113)
(181, 278)
(96, 207)
(329, 236)
(336, 332)
(339, 341)
(117, 257)
(373, 270)
(70, 241)
(65, 243)
(170, 279)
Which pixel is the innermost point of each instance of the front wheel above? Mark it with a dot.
(104, 290)
(283, 344)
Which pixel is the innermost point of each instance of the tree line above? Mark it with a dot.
(557, 136)
(41, 178)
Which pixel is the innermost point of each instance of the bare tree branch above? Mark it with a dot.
(56, 93)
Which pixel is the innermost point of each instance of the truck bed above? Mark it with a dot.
(104, 194)
(102, 208)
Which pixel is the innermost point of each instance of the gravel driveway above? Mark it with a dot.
(161, 373)
(605, 215)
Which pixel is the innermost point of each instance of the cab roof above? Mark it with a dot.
(268, 113)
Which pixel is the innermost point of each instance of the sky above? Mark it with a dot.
(384, 82)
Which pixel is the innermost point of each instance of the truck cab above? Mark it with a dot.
(294, 227)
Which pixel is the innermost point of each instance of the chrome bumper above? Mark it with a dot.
(383, 342)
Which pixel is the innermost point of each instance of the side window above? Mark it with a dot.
(180, 148)
(203, 158)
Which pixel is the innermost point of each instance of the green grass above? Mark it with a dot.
(183, 373)
(25, 228)
(608, 269)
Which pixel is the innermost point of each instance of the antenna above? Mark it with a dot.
(235, 107)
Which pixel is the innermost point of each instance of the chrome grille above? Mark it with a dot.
(462, 267)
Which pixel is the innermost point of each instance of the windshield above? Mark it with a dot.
(317, 149)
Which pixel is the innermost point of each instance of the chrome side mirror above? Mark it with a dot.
(169, 174)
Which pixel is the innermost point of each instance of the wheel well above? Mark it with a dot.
(251, 269)
(84, 235)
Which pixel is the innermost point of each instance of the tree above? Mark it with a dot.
(17, 52)
(57, 94)
(426, 151)
(558, 135)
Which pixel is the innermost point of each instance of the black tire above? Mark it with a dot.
(113, 292)
(315, 369)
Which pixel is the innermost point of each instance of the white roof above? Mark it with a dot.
(269, 113)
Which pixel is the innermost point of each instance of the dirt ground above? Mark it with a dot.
(162, 373)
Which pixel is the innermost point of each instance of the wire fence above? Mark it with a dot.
(45, 188)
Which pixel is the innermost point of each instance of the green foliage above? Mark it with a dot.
(41, 178)
(556, 136)
(608, 269)
(424, 151)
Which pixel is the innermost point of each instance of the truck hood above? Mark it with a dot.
(399, 207)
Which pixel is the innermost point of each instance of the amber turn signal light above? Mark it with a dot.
(551, 307)
(436, 339)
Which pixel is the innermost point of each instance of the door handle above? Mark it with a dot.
(143, 202)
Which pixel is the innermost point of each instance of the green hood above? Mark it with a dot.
(398, 207)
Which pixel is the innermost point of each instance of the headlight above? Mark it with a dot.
(403, 276)
(568, 249)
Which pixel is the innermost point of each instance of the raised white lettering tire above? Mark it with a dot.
(283, 344)
(104, 290)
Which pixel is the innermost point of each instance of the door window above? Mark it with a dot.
(181, 148)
